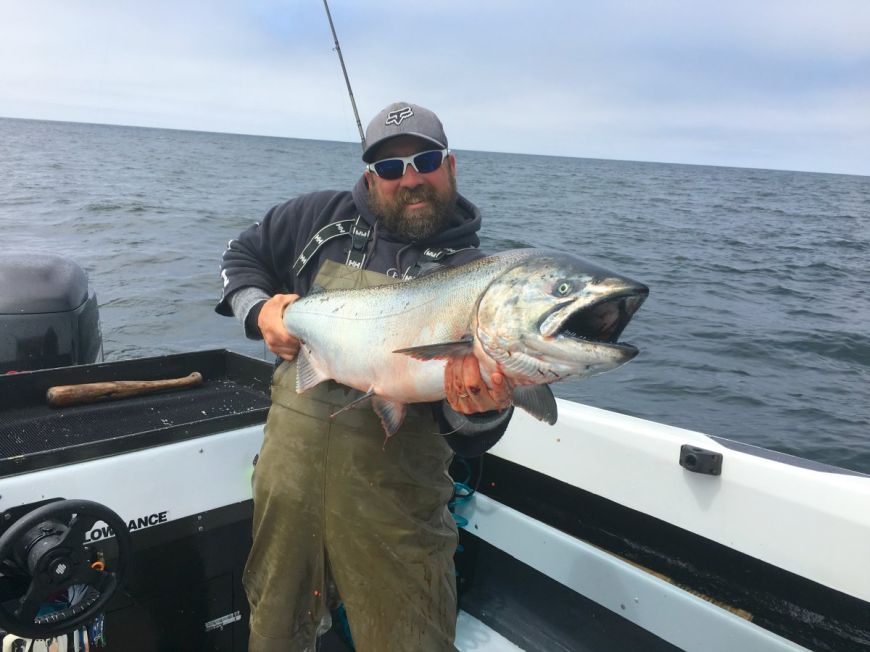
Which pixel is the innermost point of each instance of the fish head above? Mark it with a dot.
(555, 315)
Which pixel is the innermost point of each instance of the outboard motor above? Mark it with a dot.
(48, 314)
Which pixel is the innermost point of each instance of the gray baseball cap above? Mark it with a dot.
(403, 119)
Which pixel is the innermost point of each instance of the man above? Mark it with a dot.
(332, 499)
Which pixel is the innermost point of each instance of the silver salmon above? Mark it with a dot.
(536, 316)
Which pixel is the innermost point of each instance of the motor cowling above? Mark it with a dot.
(48, 314)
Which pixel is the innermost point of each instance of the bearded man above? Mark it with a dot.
(335, 506)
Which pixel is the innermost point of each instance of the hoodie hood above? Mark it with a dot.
(460, 233)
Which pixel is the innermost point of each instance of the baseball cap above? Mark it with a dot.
(403, 119)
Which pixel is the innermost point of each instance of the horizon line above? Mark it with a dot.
(509, 153)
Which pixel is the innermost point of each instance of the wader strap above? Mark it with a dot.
(360, 234)
(431, 257)
(328, 232)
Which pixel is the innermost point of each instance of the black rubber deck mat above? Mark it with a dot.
(33, 435)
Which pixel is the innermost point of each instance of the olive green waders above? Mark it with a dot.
(332, 498)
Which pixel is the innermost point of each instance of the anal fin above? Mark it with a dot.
(537, 400)
(392, 414)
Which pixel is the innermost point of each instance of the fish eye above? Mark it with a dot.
(563, 288)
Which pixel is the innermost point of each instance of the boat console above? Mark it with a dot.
(140, 505)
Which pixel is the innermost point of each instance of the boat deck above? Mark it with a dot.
(34, 435)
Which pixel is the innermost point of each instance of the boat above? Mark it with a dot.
(603, 532)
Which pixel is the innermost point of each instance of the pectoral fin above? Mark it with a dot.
(392, 414)
(307, 373)
(537, 400)
(440, 351)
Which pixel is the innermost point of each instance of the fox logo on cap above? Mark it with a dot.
(396, 117)
(400, 119)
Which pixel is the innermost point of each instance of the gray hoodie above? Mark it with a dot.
(260, 263)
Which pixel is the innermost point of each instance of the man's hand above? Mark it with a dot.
(271, 324)
(466, 391)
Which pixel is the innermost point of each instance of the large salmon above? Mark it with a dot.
(536, 316)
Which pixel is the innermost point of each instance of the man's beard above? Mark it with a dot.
(417, 224)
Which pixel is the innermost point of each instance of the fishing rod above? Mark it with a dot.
(362, 137)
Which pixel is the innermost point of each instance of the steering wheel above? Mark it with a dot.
(46, 552)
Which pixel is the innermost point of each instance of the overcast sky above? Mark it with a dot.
(781, 84)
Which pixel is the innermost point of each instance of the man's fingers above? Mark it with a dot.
(271, 324)
(466, 390)
(502, 391)
(287, 299)
(471, 375)
(477, 395)
(454, 387)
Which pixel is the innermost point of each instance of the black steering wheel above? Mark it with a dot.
(44, 553)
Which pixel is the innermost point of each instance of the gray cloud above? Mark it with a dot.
(780, 84)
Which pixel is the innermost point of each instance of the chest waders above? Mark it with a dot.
(332, 499)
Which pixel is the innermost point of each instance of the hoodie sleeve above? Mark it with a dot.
(262, 255)
(246, 304)
(252, 259)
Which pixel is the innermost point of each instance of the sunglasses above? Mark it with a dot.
(394, 168)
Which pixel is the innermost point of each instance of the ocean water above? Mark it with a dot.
(757, 327)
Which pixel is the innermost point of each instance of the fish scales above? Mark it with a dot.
(352, 333)
(533, 315)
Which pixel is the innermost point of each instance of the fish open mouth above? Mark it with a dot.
(602, 322)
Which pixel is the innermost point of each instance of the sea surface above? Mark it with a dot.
(757, 327)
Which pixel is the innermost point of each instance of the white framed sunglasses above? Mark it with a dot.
(395, 167)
